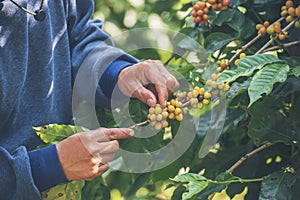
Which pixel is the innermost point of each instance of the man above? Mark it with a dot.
(41, 50)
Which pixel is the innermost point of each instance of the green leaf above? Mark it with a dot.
(54, 133)
(237, 2)
(237, 21)
(194, 188)
(216, 41)
(188, 177)
(277, 186)
(264, 79)
(247, 66)
(296, 71)
(224, 16)
(67, 191)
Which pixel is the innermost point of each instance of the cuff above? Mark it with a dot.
(109, 79)
(46, 169)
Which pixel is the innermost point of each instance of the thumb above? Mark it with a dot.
(145, 96)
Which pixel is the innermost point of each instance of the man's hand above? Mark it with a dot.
(132, 81)
(84, 156)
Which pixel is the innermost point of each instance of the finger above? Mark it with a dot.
(162, 93)
(107, 147)
(104, 134)
(145, 96)
(107, 157)
(172, 83)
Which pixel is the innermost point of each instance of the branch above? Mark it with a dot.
(243, 48)
(290, 25)
(248, 155)
(139, 124)
(282, 46)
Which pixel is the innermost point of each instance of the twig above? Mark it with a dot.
(290, 25)
(282, 46)
(248, 155)
(243, 48)
(139, 124)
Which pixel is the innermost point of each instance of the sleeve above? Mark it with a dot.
(15, 175)
(96, 62)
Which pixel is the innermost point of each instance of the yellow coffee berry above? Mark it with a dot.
(178, 104)
(177, 111)
(171, 108)
(158, 110)
(201, 91)
(171, 115)
(159, 117)
(151, 110)
(165, 124)
(207, 95)
(179, 117)
(242, 55)
(158, 126)
(165, 114)
(205, 101)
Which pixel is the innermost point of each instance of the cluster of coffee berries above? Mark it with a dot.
(289, 11)
(201, 10)
(195, 98)
(217, 88)
(158, 117)
(262, 28)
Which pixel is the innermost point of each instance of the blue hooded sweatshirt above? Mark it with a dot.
(38, 61)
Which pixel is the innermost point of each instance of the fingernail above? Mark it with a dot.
(131, 133)
(165, 102)
(150, 102)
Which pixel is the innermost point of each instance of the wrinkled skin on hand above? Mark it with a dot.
(132, 82)
(85, 155)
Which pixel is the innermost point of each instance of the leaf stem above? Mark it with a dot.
(239, 180)
(248, 155)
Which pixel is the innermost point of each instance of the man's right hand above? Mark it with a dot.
(85, 155)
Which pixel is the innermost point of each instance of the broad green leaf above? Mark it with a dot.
(54, 133)
(67, 191)
(247, 66)
(216, 41)
(263, 81)
(224, 16)
(194, 188)
(188, 177)
(237, 21)
(296, 71)
(277, 186)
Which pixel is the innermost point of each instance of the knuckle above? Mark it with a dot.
(115, 143)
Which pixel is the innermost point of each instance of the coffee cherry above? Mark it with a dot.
(236, 62)
(292, 11)
(259, 26)
(214, 77)
(266, 24)
(289, 18)
(165, 124)
(171, 115)
(205, 101)
(159, 117)
(297, 11)
(158, 126)
(179, 117)
(289, 4)
(201, 91)
(151, 110)
(262, 31)
(284, 13)
(200, 98)
(242, 55)
(158, 110)
(282, 35)
(207, 95)
(270, 30)
(297, 24)
(177, 111)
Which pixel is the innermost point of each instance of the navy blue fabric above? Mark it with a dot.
(38, 64)
(46, 168)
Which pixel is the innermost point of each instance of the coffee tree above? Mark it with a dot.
(252, 51)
